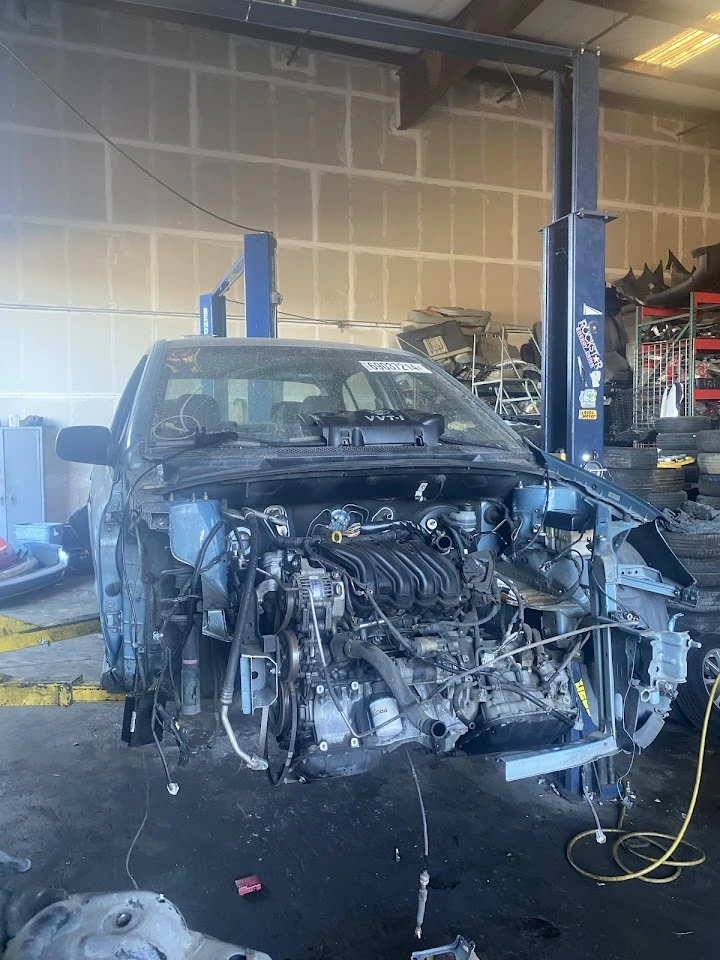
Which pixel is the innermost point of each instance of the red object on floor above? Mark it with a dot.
(8, 557)
(247, 885)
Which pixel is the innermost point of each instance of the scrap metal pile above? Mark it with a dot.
(480, 352)
(649, 288)
(459, 339)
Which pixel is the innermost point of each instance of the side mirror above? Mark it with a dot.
(85, 445)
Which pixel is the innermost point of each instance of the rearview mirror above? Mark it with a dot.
(85, 445)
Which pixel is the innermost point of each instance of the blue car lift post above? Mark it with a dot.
(261, 298)
(573, 330)
(574, 243)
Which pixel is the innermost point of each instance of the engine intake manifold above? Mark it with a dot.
(403, 574)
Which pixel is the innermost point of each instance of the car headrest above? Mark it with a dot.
(201, 409)
(286, 413)
(319, 404)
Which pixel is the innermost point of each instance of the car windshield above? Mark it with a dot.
(268, 393)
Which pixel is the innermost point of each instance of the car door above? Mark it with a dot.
(103, 476)
(105, 505)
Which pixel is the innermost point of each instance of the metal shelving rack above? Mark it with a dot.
(702, 345)
(660, 363)
(511, 393)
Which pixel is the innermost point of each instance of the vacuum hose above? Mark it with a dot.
(226, 695)
(406, 699)
(228, 689)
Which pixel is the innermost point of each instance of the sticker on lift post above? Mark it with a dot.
(588, 399)
(589, 346)
(587, 415)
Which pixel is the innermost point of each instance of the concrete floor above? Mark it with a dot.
(71, 599)
(72, 796)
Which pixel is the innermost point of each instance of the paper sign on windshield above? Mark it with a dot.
(393, 366)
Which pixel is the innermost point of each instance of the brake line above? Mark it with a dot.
(625, 838)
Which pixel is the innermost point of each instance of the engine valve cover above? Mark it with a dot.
(403, 575)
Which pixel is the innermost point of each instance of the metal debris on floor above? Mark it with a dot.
(247, 885)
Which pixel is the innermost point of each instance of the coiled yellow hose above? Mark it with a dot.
(625, 839)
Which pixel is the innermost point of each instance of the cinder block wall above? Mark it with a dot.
(97, 261)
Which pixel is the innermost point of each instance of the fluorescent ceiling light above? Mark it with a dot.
(682, 47)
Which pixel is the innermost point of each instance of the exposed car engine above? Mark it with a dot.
(381, 620)
(359, 627)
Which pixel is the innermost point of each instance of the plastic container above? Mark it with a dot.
(39, 533)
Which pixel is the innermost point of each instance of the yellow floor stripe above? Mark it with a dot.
(11, 625)
(31, 636)
(32, 693)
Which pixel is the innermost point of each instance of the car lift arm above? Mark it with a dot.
(19, 635)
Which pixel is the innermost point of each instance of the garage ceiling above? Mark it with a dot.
(622, 29)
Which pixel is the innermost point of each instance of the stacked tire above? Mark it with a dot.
(636, 471)
(700, 555)
(708, 461)
(679, 436)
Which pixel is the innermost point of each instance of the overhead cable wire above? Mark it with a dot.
(121, 151)
(537, 76)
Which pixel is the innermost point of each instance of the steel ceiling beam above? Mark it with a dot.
(353, 25)
(429, 75)
(238, 27)
(209, 17)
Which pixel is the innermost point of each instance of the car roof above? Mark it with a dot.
(218, 342)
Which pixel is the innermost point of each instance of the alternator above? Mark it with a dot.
(328, 597)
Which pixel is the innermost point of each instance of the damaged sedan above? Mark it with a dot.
(345, 543)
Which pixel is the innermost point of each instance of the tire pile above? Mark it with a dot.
(708, 460)
(699, 553)
(693, 533)
(679, 436)
(636, 471)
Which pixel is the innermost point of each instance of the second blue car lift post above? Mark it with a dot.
(257, 264)
(573, 330)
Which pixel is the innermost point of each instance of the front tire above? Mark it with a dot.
(703, 667)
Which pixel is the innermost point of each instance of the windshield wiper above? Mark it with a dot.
(214, 439)
(460, 442)
(261, 441)
(200, 438)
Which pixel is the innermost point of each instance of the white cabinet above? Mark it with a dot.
(22, 486)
